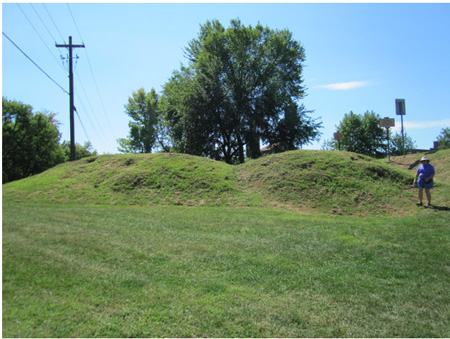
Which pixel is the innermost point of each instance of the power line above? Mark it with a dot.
(42, 22)
(92, 73)
(35, 64)
(99, 126)
(75, 23)
(40, 37)
(51, 18)
(81, 122)
(99, 96)
(48, 30)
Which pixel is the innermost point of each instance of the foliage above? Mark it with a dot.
(444, 139)
(179, 272)
(81, 151)
(241, 85)
(142, 107)
(30, 141)
(397, 147)
(294, 129)
(361, 134)
(330, 145)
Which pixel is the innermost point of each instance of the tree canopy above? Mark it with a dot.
(444, 138)
(241, 85)
(361, 134)
(30, 141)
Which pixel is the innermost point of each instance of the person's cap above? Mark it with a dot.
(424, 159)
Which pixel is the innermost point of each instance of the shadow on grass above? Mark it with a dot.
(439, 208)
(414, 165)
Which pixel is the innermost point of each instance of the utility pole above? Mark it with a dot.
(72, 122)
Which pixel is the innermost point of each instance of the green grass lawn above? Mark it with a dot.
(172, 271)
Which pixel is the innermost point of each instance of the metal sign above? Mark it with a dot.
(338, 136)
(387, 122)
(400, 106)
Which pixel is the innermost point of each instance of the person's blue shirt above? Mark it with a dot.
(425, 171)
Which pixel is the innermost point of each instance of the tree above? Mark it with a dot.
(397, 146)
(142, 107)
(81, 151)
(444, 138)
(294, 128)
(30, 141)
(241, 85)
(361, 134)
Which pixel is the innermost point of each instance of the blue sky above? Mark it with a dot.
(359, 57)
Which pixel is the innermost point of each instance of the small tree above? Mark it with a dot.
(362, 133)
(81, 151)
(444, 138)
(142, 107)
(397, 146)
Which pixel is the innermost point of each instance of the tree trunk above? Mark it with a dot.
(241, 150)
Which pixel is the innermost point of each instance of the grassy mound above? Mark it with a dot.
(336, 182)
(440, 160)
(306, 181)
(170, 179)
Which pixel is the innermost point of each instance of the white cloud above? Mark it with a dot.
(344, 86)
(408, 125)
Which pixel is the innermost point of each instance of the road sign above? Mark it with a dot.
(387, 122)
(400, 106)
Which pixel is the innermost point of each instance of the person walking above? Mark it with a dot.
(424, 180)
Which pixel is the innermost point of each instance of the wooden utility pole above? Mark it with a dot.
(72, 122)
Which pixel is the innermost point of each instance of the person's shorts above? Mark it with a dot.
(422, 184)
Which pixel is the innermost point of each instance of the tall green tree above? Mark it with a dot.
(142, 108)
(361, 134)
(444, 138)
(241, 85)
(30, 141)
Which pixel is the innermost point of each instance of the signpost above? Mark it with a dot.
(387, 123)
(338, 136)
(400, 110)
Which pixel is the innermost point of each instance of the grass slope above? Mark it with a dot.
(171, 179)
(306, 181)
(98, 248)
(335, 182)
(173, 271)
(440, 160)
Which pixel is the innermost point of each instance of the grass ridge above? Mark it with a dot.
(306, 181)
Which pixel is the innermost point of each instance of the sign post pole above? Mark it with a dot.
(338, 136)
(387, 123)
(400, 110)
